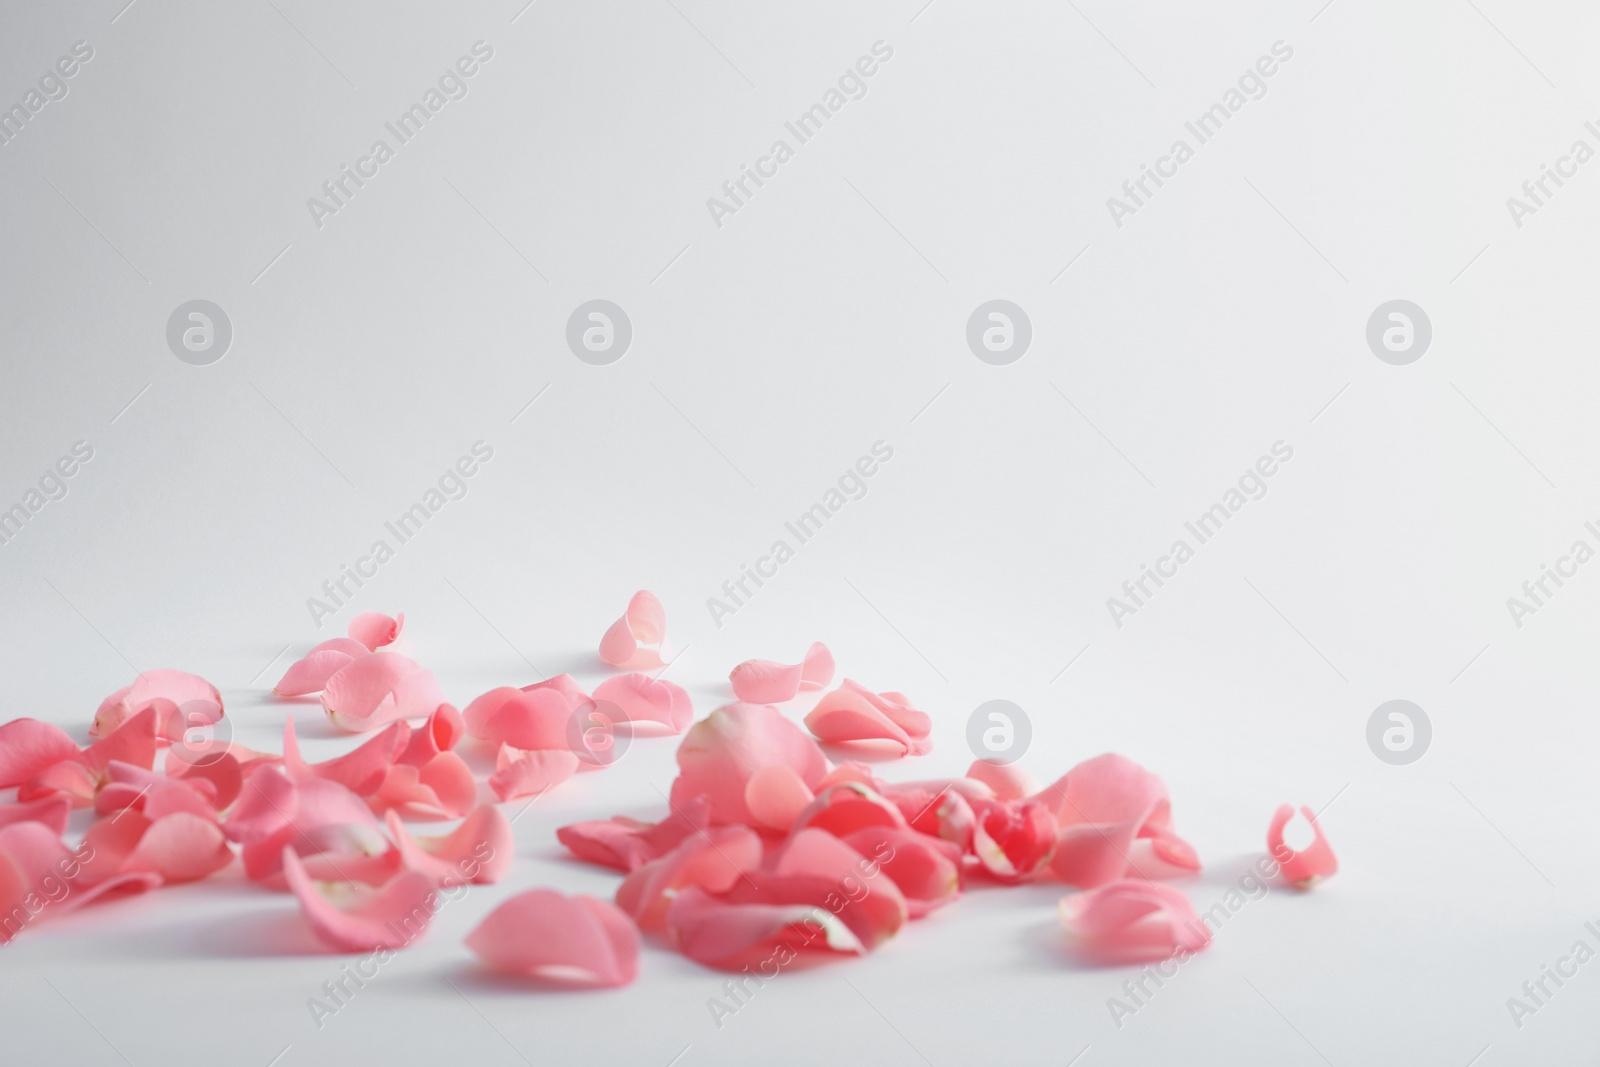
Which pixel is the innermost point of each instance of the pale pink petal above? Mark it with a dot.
(522, 718)
(442, 788)
(39, 875)
(311, 672)
(133, 742)
(720, 753)
(316, 817)
(479, 851)
(361, 770)
(764, 681)
(641, 698)
(1103, 806)
(541, 932)
(776, 795)
(180, 847)
(441, 733)
(154, 795)
(521, 773)
(713, 860)
(52, 811)
(1132, 920)
(28, 747)
(225, 773)
(179, 687)
(377, 689)
(390, 918)
(843, 809)
(853, 713)
(374, 629)
(634, 640)
(1008, 780)
(1300, 869)
(926, 870)
(628, 844)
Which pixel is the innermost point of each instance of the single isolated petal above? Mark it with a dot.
(1132, 920)
(391, 917)
(374, 629)
(1103, 806)
(1300, 869)
(854, 713)
(713, 860)
(179, 687)
(721, 752)
(28, 747)
(577, 939)
(627, 844)
(377, 689)
(311, 672)
(641, 698)
(524, 774)
(764, 681)
(479, 851)
(634, 640)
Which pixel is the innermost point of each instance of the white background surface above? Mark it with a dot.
(769, 354)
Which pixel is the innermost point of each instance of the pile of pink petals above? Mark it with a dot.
(768, 851)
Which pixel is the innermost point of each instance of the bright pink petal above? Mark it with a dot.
(28, 747)
(374, 629)
(39, 875)
(1301, 869)
(312, 671)
(641, 698)
(479, 851)
(320, 819)
(377, 689)
(225, 773)
(390, 918)
(179, 687)
(721, 752)
(1013, 840)
(1132, 920)
(442, 732)
(628, 844)
(523, 774)
(843, 809)
(634, 640)
(541, 932)
(713, 860)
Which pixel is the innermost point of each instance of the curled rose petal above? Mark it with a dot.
(628, 844)
(39, 875)
(391, 917)
(776, 795)
(764, 681)
(713, 860)
(374, 629)
(442, 788)
(1300, 869)
(1103, 806)
(523, 774)
(179, 687)
(1131, 920)
(854, 713)
(377, 689)
(28, 747)
(843, 809)
(442, 732)
(1008, 780)
(361, 771)
(479, 851)
(926, 870)
(541, 932)
(531, 718)
(179, 847)
(641, 698)
(153, 794)
(634, 640)
(1013, 840)
(52, 811)
(720, 753)
(311, 672)
(331, 827)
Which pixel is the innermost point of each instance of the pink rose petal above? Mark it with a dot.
(361, 771)
(713, 860)
(377, 689)
(641, 698)
(389, 918)
(178, 687)
(1131, 920)
(1301, 869)
(524, 774)
(855, 713)
(627, 844)
(28, 747)
(541, 932)
(533, 718)
(1008, 780)
(776, 795)
(442, 732)
(52, 811)
(374, 629)
(479, 851)
(634, 641)
(926, 870)
(178, 847)
(1103, 806)
(442, 788)
(763, 681)
(720, 753)
(1013, 840)
(311, 672)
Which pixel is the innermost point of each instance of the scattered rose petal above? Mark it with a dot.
(1103, 806)
(1131, 920)
(843, 809)
(361, 771)
(533, 718)
(926, 870)
(641, 698)
(52, 811)
(521, 773)
(720, 753)
(311, 672)
(28, 747)
(1013, 840)
(541, 932)
(1301, 869)
(377, 689)
(479, 851)
(178, 847)
(628, 844)
(764, 681)
(634, 641)
(442, 788)
(390, 917)
(1008, 780)
(442, 732)
(178, 687)
(776, 795)
(713, 860)
(374, 629)
(854, 713)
